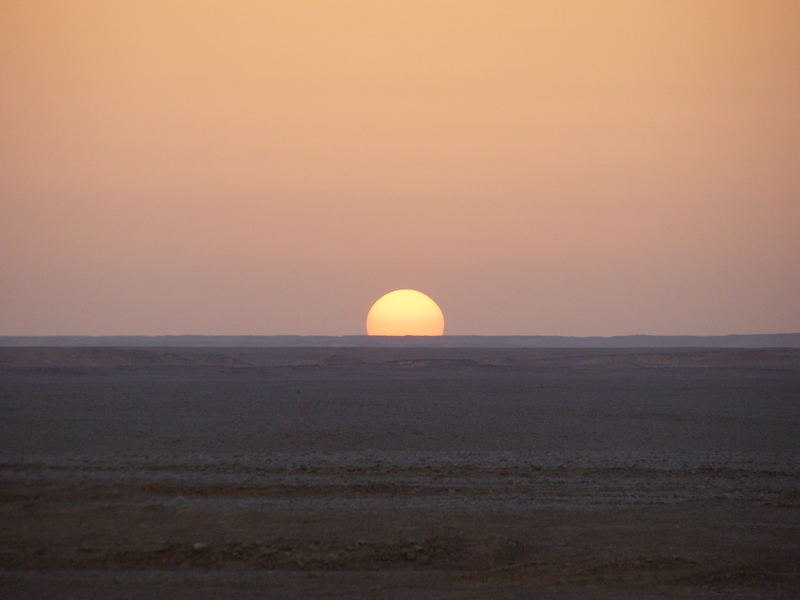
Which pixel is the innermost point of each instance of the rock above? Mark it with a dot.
(424, 559)
(199, 547)
(410, 554)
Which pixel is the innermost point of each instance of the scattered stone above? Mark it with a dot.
(424, 559)
(199, 547)
(162, 546)
(410, 554)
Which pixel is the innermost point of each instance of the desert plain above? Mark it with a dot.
(426, 473)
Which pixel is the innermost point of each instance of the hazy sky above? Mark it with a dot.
(577, 168)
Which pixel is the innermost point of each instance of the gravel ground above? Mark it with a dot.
(399, 473)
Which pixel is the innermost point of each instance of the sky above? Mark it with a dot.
(547, 168)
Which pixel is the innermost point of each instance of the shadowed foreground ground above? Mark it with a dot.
(399, 473)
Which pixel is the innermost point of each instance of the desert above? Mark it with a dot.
(399, 473)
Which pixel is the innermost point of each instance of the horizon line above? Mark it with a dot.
(364, 335)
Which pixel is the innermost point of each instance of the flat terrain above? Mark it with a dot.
(399, 473)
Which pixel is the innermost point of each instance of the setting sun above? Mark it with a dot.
(405, 312)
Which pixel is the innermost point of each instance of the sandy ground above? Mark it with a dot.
(392, 473)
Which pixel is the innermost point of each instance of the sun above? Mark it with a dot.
(405, 312)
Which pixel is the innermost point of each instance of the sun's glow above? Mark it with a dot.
(405, 312)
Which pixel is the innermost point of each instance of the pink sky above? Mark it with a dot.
(565, 168)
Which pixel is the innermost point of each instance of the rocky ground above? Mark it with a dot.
(333, 475)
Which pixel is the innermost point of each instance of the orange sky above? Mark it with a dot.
(573, 168)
